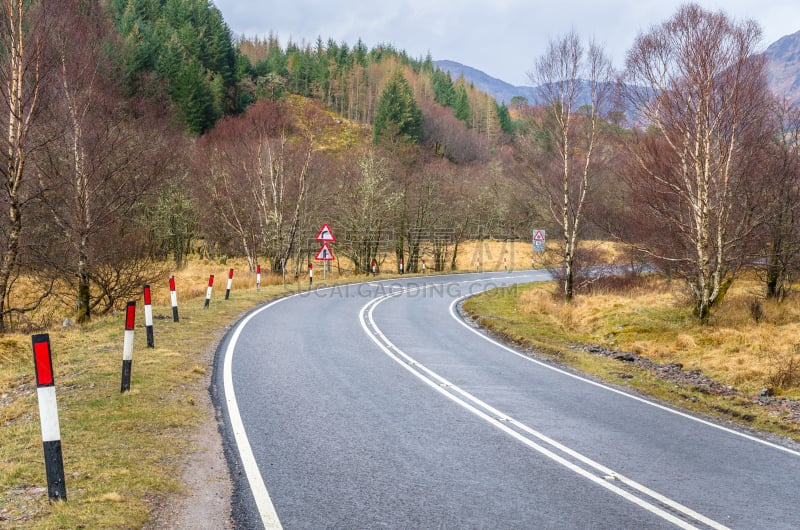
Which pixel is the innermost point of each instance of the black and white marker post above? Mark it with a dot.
(258, 277)
(127, 346)
(48, 416)
(230, 283)
(208, 291)
(173, 298)
(148, 317)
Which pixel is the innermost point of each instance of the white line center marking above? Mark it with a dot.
(505, 423)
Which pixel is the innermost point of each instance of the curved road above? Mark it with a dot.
(375, 406)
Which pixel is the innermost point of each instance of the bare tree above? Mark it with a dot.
(258, 172)
(781, 189)
(102, 161)
(365, 203)
(22, 71)
(696, 81)
(574, 84)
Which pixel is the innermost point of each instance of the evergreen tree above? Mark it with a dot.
(398, 111)
(505, 118)
(444, 93)
(461, 108)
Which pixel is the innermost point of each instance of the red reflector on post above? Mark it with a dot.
(130, 316)
(147, 295)
(230, 273)
(211, 281)
(43, 360)
(172, 283)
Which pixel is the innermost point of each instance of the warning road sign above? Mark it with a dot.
(324, 254)
(325, 234)
(538, 240)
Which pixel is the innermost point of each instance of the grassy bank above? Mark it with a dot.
(649, 317)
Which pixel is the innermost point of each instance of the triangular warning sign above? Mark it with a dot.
(538, 236)
(325, 234)
(324, 253)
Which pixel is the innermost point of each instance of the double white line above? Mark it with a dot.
(599, 474)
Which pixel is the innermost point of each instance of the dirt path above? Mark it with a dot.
(205, 503)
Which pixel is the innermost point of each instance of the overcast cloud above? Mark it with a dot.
(500, 37)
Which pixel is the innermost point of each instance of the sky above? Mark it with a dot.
(503, 38)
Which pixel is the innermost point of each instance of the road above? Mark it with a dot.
(376, 406)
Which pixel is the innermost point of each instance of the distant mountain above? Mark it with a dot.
(500, 90)
(783, 67)
(783, 70)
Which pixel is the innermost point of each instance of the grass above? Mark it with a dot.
(649, 317)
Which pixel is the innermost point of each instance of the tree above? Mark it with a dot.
(22, 74)
(781, 189)
(102, 161)
(698, 83)
(570, 134)
(461, 107)
(397, 112)
(257, 170)
(365, 203)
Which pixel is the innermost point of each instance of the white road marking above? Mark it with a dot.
(266, 510)
(504, 422)
(611, 389)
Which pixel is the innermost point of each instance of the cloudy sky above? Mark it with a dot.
(500, 37)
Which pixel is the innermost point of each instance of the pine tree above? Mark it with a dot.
(461, 108)
(398, 111)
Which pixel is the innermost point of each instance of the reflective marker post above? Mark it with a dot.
(48, 416)
(230, 283)
(258, 277)
(173, 297)
(208, 291)
(127, 346)
(148, 317)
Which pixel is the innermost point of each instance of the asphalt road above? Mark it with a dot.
(375, 406)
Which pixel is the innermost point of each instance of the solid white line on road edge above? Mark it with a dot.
(442, 386)
(609, 388)
(266, 510)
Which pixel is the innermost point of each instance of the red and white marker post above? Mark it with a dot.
(148, 317)
(48, 416)
(230, 283)
(173, 298)
(208, 291)
(258, 277)
(127, 346)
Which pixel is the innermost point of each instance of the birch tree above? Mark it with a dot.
(574, 83)
(697, 82)
(21, 76)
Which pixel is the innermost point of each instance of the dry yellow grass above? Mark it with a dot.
(653, 320)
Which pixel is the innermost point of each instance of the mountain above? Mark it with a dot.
(502, 91)
(783, 66)
(783, 71)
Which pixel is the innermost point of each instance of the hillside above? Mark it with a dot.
(783, 67)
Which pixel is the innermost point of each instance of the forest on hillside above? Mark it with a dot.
(158, 134)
